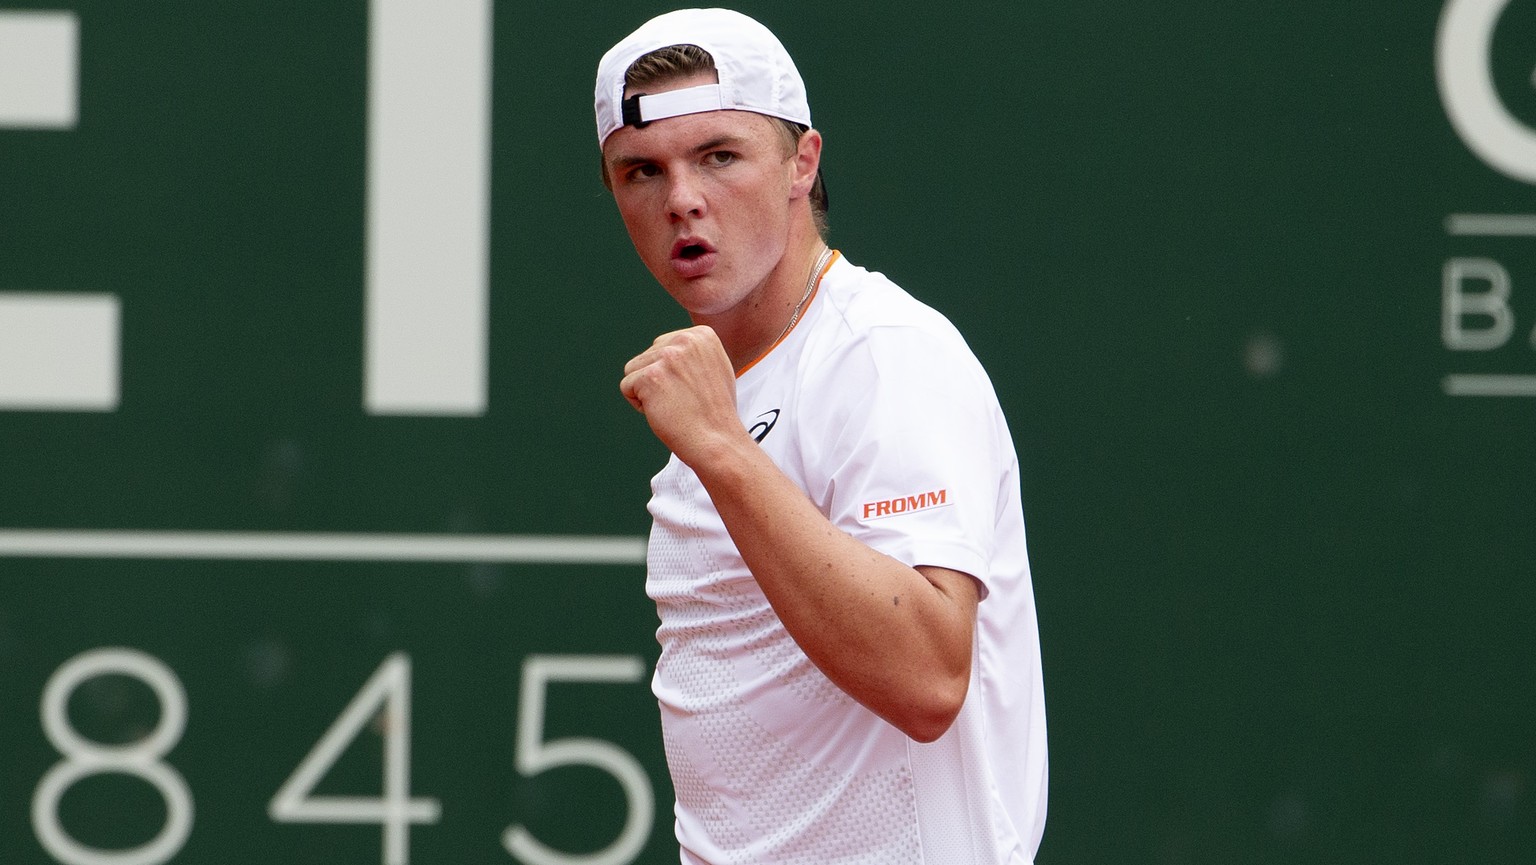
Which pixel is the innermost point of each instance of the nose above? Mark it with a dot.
(685, 196)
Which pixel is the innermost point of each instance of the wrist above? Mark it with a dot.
(726, 462)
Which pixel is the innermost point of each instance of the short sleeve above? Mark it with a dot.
(904, 451)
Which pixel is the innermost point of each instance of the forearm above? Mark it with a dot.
(894, 638)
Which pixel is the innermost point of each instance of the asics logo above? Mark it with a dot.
(760, 430)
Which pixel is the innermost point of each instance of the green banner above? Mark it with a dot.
(322, 520)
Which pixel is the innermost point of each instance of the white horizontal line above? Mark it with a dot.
(1490, 385)
(298, 546)
(1491, 224)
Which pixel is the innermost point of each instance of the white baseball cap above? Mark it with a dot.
(756, 73)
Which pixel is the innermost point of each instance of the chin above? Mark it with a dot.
(698, 301)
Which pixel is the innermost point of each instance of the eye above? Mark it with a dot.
(720, 157)
(642, 171)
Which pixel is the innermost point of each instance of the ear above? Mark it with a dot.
(804, 165)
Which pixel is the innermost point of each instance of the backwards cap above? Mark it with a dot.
(756, 73)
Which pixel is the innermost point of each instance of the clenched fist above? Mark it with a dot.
(686, 388)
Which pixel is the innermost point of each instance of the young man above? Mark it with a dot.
(850, 667)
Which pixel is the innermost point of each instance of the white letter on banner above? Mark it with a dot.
(1463, 69)
(1457, 304)
(39, 70)
(428, 211)
(59, 351)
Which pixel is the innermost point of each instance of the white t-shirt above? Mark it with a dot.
(874, 406)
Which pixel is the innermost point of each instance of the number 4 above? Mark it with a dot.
(389, 691)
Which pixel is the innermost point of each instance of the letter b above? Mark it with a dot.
(1458, 304)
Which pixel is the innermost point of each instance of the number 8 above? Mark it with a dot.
(141, 759)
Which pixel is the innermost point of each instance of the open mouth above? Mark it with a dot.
(692, 257)
(689, 249)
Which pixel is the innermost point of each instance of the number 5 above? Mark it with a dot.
(534, 755)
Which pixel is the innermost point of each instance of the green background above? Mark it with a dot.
(1286, 584)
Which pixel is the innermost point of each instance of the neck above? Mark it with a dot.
(750, 331)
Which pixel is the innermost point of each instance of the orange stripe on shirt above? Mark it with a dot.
(815, 290)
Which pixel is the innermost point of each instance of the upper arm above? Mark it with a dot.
(960, 589)
(910, 461)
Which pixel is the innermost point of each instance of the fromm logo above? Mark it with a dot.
(905, 504)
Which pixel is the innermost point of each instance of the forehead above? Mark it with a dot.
(685, 134)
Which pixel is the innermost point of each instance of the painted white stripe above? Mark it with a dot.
(295, 546)
(1491, 224)
(428, 207)
(1490, 385)
(39, 70)
(59, 352)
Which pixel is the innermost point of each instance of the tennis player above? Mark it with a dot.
(850, 665)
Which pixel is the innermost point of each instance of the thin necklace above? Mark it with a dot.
(810, 286)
